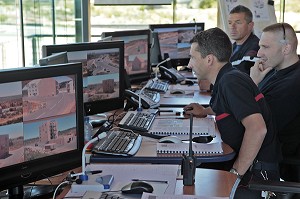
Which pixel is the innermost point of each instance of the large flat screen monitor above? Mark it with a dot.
(102, 69)
(136, 52)
(41, 123)
(174, 41)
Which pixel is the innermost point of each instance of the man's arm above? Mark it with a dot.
(255, 132)
(198, 110)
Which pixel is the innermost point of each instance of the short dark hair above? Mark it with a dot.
(213, 41)
(243, 9)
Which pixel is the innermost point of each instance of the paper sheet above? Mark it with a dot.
(153, 196)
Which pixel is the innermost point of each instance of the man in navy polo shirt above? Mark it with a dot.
(242, 114)
(280, 86)
(245, 46)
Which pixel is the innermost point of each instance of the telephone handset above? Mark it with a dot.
(147, 101)
(171, 74)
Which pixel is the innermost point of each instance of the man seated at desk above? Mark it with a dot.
(242, 115)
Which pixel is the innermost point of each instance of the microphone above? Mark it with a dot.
(195, 30)
(156, 68)
(83, 175)
(141, 92)
(188, 165)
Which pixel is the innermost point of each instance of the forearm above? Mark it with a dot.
(251, 144)
(247, 153)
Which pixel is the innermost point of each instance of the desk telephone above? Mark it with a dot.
(149, 99)
(171, 74)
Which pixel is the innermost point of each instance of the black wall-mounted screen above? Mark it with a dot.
(174, 41)
(103, 68)
(136, 52)
(41, 123)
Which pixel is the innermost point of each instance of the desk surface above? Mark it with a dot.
(208, 182)
(200, 97)
(148, 154)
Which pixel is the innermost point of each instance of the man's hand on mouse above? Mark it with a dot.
(196, 109)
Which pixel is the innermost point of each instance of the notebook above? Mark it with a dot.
(181, 127)
(200, 149)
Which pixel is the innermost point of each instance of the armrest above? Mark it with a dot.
(275, 186)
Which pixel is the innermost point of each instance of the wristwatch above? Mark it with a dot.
(234, 171)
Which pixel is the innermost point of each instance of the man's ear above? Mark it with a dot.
(287, 49)
(210, 59)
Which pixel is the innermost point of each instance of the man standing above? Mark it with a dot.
(245, 46)
(278, 77)
(242, 115)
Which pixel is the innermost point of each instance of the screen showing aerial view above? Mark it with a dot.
(175, 41)
(37, 119)
(100, 73)
(135, 53)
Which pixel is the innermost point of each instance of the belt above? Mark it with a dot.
(264, 166)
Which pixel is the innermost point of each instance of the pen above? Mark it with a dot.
(162, 181)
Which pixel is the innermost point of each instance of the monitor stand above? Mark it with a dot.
(34, 191)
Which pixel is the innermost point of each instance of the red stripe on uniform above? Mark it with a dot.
(259, 96)
(222, 116)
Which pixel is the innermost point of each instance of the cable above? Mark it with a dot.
(62, 183)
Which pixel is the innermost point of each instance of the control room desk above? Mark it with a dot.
(201, 97)
(147, 154)
(208, 183)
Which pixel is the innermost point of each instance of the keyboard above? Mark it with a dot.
(158, 86)
(139, 121)
(121, 142)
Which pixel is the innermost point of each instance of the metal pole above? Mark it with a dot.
(53, 22)
(22, 32)
(283, 10)
(174, 11)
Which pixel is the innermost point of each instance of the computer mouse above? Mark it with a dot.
(177, 91)
(137, 187)
(187, 82)
(202, 139)
(170, 139)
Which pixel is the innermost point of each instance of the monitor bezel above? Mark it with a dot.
(91, 108)
(134, 78)
(180, 61)
(48, 60)
(31, 171)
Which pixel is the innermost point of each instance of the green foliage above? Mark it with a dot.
(207, 4)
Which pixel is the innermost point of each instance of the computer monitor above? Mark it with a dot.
(102, 69)
(174, 41)
(56, 58)
(41, 123)
(136, 52)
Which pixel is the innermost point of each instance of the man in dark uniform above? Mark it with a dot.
(242, 114)
(281, 86)
(245, 46)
